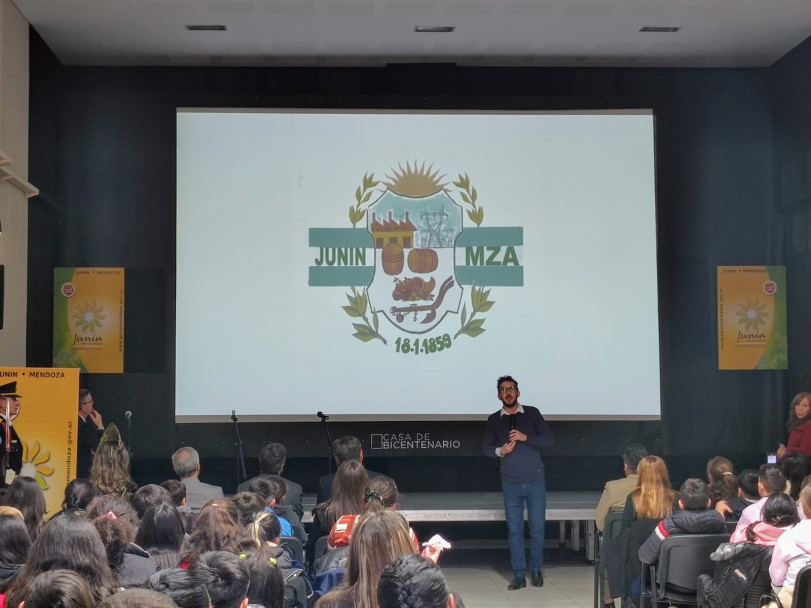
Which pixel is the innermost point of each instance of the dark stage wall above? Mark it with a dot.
(103, 154)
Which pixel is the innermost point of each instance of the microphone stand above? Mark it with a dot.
(330, 453)
(240, 455)
(128, 415)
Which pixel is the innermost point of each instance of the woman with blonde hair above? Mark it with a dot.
(111, 466)
(653, 497)
(379, 538)
(651, 501)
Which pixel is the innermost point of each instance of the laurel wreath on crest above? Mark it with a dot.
(358, 302)
(479, 302)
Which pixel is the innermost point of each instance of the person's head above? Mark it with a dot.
(770, 480)
(272, 458)
(101, 505)
(719, 467)
(116, 534)
(68, 542)
(149, 496)
(181, 586)
(652, 470)
(25, 494)
(780, 510)
(747, 484)
(261, 487)
(225, 577)
(653, 497)
(138, 598)
(177, 490)
(634, 452)
(59, 589)
(377, 540)
(348, 490)
(78, 494)
(186, 462)
(805, 501)
(413, 581)
(347, 448)
(508, 392)
(800, 410)
(264, 527)
(9, 400)
(217, 529)
(267, 586)
(14, 542)
(795, 466)
(725, 489)
(382, 493)
(247, 504)
(693, 495)
(111, 465)
(85, 403)
(279, 489)
(162, 534)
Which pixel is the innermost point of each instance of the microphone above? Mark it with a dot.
(512, 421)
(233, 415)
(128, 415)
(322, 415)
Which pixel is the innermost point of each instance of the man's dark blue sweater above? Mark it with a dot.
(523, 464)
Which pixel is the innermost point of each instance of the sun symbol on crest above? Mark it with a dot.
(751, 314)
(88, 315)
(416, 182)
(35, 464)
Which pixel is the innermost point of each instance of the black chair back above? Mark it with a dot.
(295, 546)
(674, 578)
(612, 527)
(802, 589)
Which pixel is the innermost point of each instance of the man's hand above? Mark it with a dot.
(516, 435)
(781, 451)
(508, 447)
(96, 418)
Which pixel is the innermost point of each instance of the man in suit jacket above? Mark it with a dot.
(186, 462)
(91, 428)
(271, 463)
(616, 491)
(343, 448)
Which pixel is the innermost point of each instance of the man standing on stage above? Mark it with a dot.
(11, 449)
(514, 434)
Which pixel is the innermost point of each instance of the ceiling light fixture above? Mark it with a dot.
(657, 29)
(434, 29)
(206, 28)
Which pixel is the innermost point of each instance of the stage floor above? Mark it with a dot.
(568, 508)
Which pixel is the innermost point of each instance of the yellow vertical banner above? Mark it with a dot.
(46, 425)
(752, 317)
(89, 319)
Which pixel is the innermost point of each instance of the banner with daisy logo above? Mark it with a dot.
(752, 317)
(46, 425)
(89, 319)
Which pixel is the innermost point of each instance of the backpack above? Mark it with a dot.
(738, 566)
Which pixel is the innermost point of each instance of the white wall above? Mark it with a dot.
(14, 69)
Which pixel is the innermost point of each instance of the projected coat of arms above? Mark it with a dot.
(415, 284)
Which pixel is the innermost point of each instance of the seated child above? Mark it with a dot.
(791, 552)
(695, 517)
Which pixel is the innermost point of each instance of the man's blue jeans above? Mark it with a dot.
(515, 495)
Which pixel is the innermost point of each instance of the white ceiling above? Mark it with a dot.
(714, 33)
